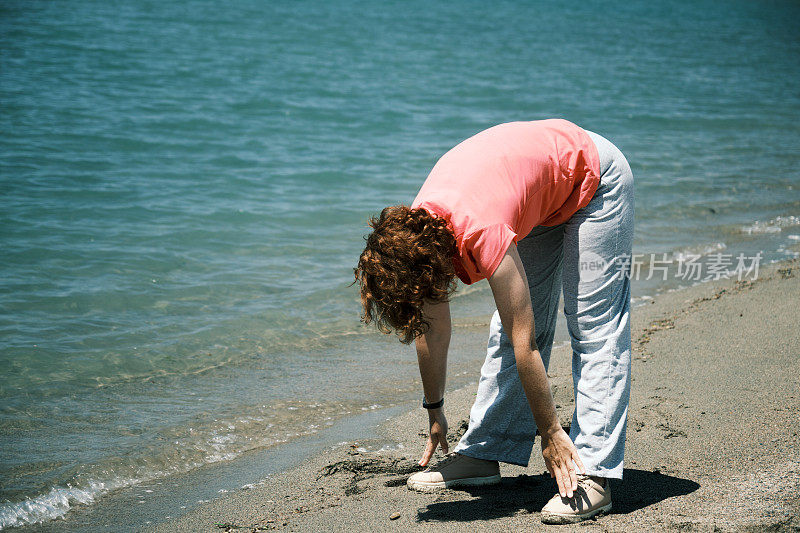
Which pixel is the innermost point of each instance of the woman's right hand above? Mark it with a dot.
(560, 456)
(437, 435)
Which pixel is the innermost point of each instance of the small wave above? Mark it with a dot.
(56, 503)
(223, 439)
(700, 249)
(776, 225)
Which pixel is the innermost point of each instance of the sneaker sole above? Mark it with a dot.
(424, 486)
(552, 518)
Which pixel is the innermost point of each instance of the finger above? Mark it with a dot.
(566, 480)
(443, 442)
(562, 490)
(573, 479)
(426, 455)
(581, 468)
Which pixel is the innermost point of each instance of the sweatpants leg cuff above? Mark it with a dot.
(613, 473)
(477, 451)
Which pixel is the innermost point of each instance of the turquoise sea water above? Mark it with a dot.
(184, 188)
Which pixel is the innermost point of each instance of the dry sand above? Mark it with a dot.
(712, 437)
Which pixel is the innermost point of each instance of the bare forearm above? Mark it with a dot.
(432, 359)
(432, 349)
(534, 380)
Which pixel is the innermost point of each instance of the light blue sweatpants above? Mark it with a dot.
(586, 258)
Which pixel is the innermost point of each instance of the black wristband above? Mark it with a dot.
(436, 405)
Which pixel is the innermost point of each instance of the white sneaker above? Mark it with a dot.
(456, 470)
(589, 499)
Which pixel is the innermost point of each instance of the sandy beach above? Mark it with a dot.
(712, 437)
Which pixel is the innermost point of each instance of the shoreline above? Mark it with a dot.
(681, 469)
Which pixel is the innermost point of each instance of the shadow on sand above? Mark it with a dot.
(530, 493)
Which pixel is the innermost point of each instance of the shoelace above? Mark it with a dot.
(583, 478)
(448, 458)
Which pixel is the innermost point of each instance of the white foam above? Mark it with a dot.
(701, 249)
(775, 225)
(56, 503)
(219, 445)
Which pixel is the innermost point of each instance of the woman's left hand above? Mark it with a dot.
(437, 437)
(559, 453)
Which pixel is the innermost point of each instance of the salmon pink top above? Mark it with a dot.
(496, 186)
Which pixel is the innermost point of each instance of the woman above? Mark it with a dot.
(536, 208)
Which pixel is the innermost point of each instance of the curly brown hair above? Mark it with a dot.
(407, 260)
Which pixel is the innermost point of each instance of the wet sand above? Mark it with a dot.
(712, 440)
